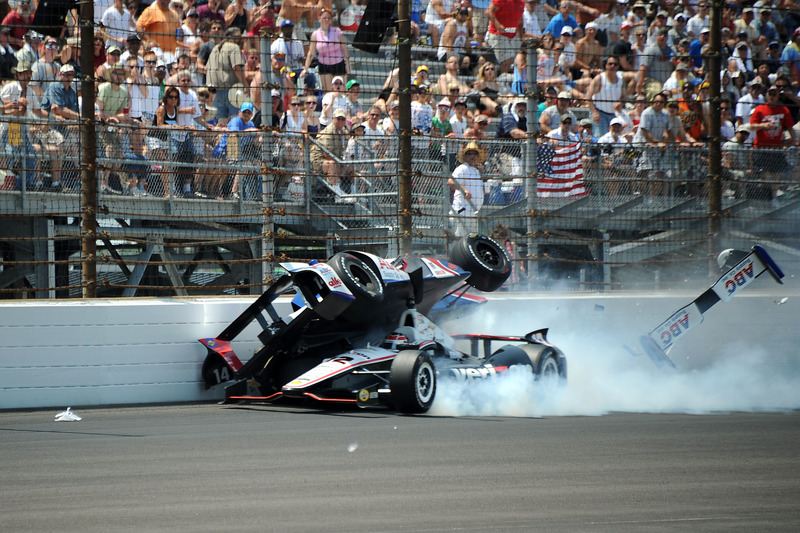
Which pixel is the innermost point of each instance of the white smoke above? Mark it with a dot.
(604, 377)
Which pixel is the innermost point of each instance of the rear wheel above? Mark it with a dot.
(549, 370)
(486, 261)
(358, 277)
(412, 381)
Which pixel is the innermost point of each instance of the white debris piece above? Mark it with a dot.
(67, 416)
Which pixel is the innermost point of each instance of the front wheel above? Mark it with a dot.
(412, 381)
(487, 261)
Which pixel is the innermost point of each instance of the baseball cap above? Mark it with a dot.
(590, 25)
(133, 37)
(339, 113)
(564, 95)
(421, 68)
(626, 24)
(743, 128)
(755, 83)
(114, 49)
(287, 22)
(247, 106)
(275, 92)
(192, 13)
(566, 30)
(22, 66)
(394, 104)
(351, 83)
(565, 117)
(585, 122)
(339, 79)
(481, 118)
(616, 121)
(66, 69)
(444, 102)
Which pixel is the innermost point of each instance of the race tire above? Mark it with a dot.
(412, 382)
(358, 277)
(549, 370)
(487, 261)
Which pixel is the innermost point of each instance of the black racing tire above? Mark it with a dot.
(412, 382)
(487, 261)
(358, 277)
(549, 370)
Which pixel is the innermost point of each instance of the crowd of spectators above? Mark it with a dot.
(179, 83)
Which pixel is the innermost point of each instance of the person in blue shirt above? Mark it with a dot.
(245, 152)
(564, 18)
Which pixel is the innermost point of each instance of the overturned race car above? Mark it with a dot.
(360, 332)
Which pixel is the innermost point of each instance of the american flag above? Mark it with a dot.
(565, 177)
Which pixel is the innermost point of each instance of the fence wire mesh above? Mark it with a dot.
(197, 196)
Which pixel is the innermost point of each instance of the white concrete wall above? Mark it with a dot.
(104, 352)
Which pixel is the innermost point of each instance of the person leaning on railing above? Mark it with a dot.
(61, 100)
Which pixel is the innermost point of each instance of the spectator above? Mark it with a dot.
(610, 22)
(679, 77)
(604, 91)
(514, 126)
(744, 58)
(160, 138)
(767, 32)
(748, 102)
(637, 16)
(189, 118)
(563, 136)
(7, 58)
(678, 32)
(190, 28)
(652, 136)
(736, 162)
(243, 150)
(143, 97)
(479, 21)
(451, 76)
(225, 68)
(158, 26)
(616, 157)
(745, 25)
(547, 74)
(252, 65)
(332, 139)
(263, 18)
(355, 109)
(61, 100)
(436, 16)
(18, 21)
(726, 127)
(693, 164)
(699, 21)
(467, 186)
(440, 130)
(117, 24)
(373, 131)
(563, 18)
(421, 123)
(330, 48)
(134, 44)
(30, 50)
(16, 138)
(391, 123)
(490, 90)
(113, 54)
(505, 30)
(312, 120)
(530, 20)
(237, 16)
(457, 36)
(656, 67)
(333, 100)
(210, 35)
(787, 97)
(772, 57)
(113, 106)
(790, 57)
(589, 54)
(293, 51)
(478, 129)
(45, 70)
(357, 149)
(551, 116)
(212, 12)
(771, 123)
(295, 11)
(660, 22)
(138, 173)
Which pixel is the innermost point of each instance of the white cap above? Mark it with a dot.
(566, 30)
(616, 121)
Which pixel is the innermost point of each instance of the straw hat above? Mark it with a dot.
(472, 145)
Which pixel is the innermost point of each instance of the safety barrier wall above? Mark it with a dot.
(106, 352)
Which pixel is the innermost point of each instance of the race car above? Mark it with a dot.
(360, 332)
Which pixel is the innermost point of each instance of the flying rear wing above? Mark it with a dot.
(751, 265)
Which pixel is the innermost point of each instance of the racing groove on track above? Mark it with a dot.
(210, 467)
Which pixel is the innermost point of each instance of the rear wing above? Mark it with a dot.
(746, 268)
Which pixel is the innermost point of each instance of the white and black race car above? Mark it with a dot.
(360, 332)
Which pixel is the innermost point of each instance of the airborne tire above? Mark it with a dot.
(487, 262)
(412, 381)
(359, 278)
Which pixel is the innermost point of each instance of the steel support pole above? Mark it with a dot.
(88, 162)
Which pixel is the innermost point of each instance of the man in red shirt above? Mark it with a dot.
(505, 30)
(770, 121)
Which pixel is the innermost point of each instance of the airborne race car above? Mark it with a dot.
(360, 333)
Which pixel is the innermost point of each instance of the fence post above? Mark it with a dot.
(88, 156)
(267, 168)
(531, 166)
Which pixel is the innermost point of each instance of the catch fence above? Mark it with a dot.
(195, 212)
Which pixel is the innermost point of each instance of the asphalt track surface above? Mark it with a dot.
(204, 467)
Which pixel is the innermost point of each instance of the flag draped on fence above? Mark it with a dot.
(566, 174)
